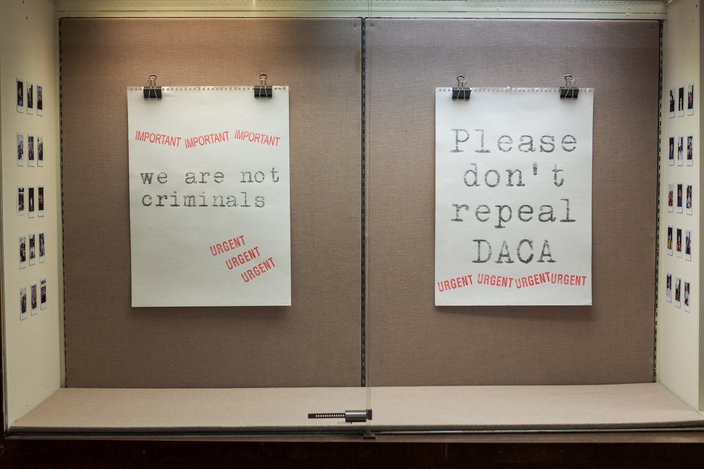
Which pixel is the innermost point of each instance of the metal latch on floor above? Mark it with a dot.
(350, 416)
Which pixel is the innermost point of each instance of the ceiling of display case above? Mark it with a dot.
(600, 9)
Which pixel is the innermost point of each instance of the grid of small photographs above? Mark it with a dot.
(33, 298)
(30, 97)
(680, 195)
(31, 201)
(682, 291)
(681, 101)
(30, 150)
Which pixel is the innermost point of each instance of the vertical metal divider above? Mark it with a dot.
(62, 310)
(656, 311)
(364, 195)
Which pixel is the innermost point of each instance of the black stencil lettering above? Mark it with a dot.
(569, 143)
(547, 143)
(480, 259)
(504, 254)
(458, 140)
(545, 253)
(504, 140)
(555, 181)
(521, 243)
(459, 207)
(526, 145)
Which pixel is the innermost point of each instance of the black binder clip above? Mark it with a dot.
(569, 90)
(461, 92)
(152, 91)
(263, 91)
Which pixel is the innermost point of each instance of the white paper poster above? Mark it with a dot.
(209, 197)
(513, 198)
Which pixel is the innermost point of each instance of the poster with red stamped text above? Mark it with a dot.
(209, 197)
(513, 215)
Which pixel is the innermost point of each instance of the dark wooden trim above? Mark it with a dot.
(647, 450)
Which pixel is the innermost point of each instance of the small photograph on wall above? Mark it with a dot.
(40, 100)
(42, 247)
(23, 251)
(30, 98)
(688, 199)
(32, 248)
(687, 295)
(20, 95)
(30, 150)
(20, 149)
(34, 298)
(671, 151)
(678, 243)
(42, 293)
(672, 103)
(40, 151)
(669, 240)
(671, 197)
(30, 202)
(680, 150)
(688, 244)
(40, 201)
(690, 99)
(23, 303)
(20, 201)
(690, 150)
(678, 292)
(668, 287)
(679, 198)
(680, 101)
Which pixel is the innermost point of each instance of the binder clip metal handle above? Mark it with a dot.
(263, 91)
(152, 91)
(461, 92)
(569, 91)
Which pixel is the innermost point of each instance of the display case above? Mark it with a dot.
(363, 349)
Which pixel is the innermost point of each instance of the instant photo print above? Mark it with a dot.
(20, 95)
(40, 151)
(31, 210)
(42, 247)
(32, 249)
(34, 298)
(40, 201)
(42, 294)
(30, 98)
(23, 303)
(687, 296)
(678, 292)
(40, 100)
(23, 251)
(30, 151)
(20, 201)
(20, 149)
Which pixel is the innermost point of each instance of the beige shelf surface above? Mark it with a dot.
(627, 406)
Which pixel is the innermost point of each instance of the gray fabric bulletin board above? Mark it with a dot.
(317, 341)
(411, 341)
